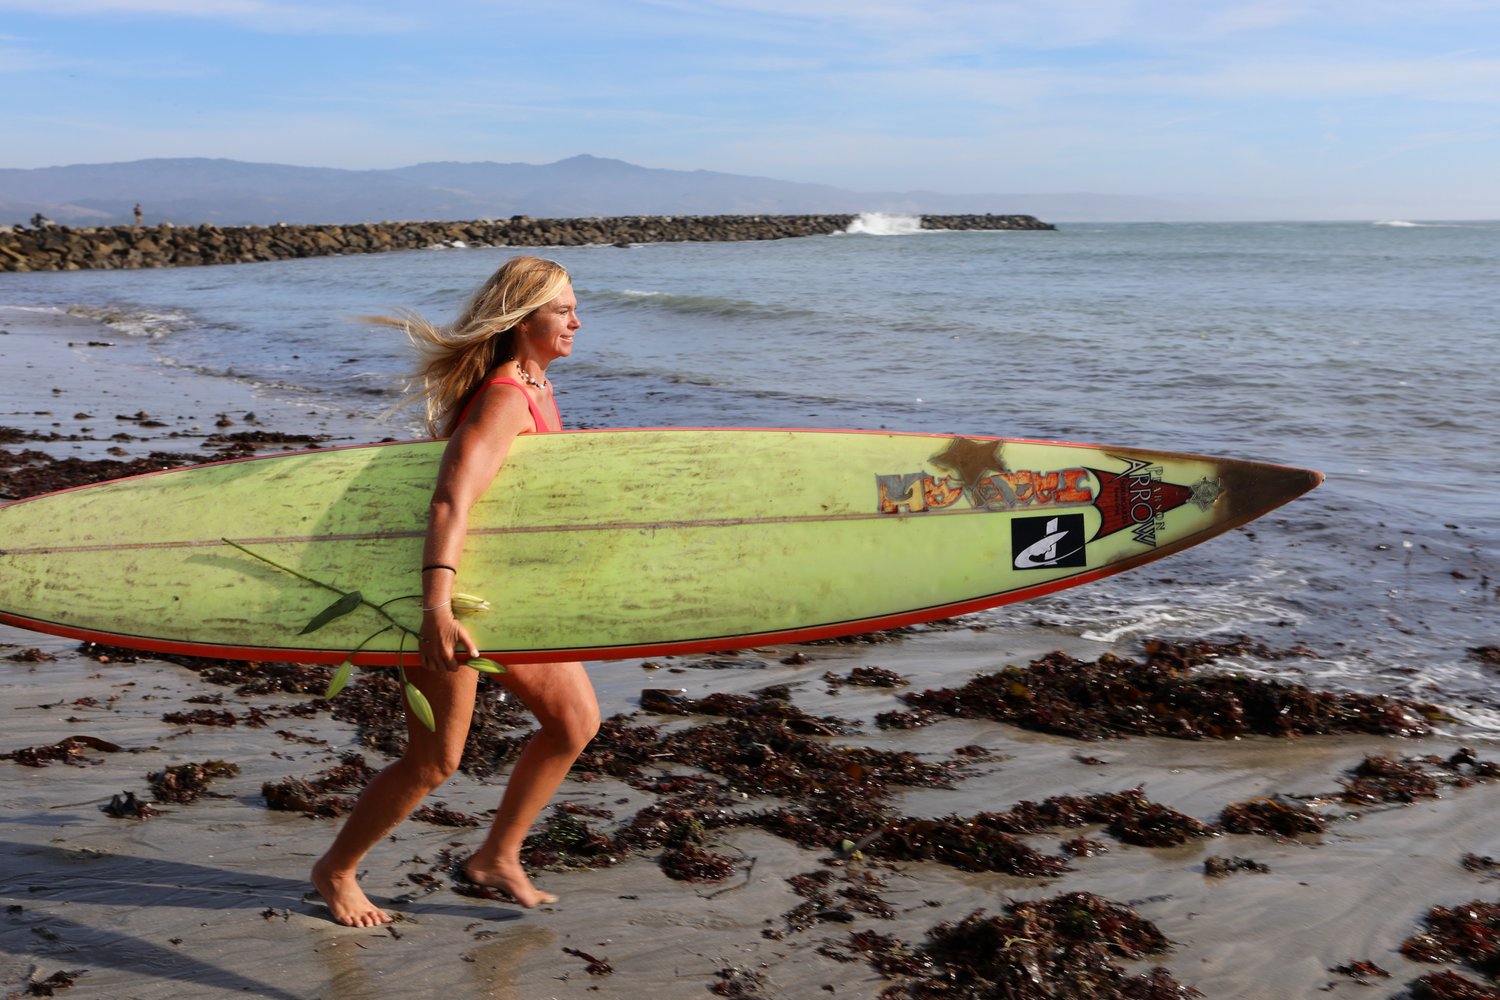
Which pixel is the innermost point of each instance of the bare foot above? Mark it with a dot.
(346, 901)
(511, 879)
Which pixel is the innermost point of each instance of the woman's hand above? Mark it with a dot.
(446, 644)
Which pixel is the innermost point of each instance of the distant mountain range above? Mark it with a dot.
(231, 192)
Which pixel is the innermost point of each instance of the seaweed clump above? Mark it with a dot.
(1271, 818)
(1382, 779)
(1065, 946)
(769, 703)
(124, 805)
(1163, 695)
(876, 677)
(314, 797)
(984, 842)
(31, 473)
(1129, 816)
(62, 979)
(1476, 863)
(860, 895)
(1468, 933)
(188, 782)
(1224, 867)
(1450, 986)
(71, 750)
(965, 844)
(766, 756)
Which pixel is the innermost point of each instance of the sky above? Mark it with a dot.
(1379, 109)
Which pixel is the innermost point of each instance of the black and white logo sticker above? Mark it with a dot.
(1048, 542)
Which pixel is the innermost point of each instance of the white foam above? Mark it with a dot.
(882, 224)
(132, 322)
(40, 310)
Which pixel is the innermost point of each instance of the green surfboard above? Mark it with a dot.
(606, 544)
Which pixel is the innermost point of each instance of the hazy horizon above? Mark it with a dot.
(1249, 109)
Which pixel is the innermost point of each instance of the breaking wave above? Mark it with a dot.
(882, 224)
(135, 322)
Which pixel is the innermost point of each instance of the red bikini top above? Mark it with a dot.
(536, 413)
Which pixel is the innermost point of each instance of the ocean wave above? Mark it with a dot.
(1403, 224)
(692, 305)
(40, 310)
(134, 322)
(883, 224)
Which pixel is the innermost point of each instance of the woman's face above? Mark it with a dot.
(549, 331)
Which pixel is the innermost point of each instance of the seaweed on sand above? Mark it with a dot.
(763, 755)
(209, 717)
(1383, 779)
(965, 845)
(32, 473)
(1450, 986)
(1164, 695)
(62, 979)
(71, 750)
(1468, 933)
(247, 677)
(984, 841)
(690, 863)
(187, 782)
(313, 797)
(1224, 867)
(769, 703)
(860, 894)
(1129, 816)
(877, 677)
(1050, 949)
(1271, 818)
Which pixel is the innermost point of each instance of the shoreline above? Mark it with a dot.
(80, 390)
(60, 248)
(206, 899)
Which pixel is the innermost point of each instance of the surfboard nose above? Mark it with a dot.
(1253, 488)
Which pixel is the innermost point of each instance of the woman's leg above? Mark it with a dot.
(562, 699)
(430, 759)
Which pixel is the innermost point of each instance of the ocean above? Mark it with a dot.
(1361, 350)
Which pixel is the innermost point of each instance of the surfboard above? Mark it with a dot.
(608, 544)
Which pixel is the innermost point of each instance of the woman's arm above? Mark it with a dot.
(473, 458)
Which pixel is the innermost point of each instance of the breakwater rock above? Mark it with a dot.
(61, 248)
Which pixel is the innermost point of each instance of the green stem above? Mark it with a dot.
(371, 638)
(377, 608)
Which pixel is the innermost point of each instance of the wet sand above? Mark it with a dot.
(206, 899)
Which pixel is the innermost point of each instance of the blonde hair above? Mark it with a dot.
(454, 359)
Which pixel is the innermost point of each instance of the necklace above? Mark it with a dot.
(529, 380)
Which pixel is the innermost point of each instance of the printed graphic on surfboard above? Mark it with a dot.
(1136, 498)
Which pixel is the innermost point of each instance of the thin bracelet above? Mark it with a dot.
(439, 566)
(439, 605)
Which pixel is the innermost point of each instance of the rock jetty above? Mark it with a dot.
(61, 248)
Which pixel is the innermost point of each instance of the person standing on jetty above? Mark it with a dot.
(485, 382)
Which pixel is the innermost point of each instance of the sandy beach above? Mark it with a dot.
(205, 899)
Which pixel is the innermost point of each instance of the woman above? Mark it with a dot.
(485, 380)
